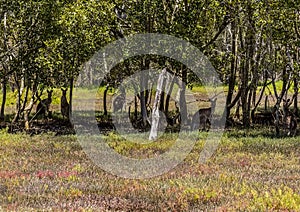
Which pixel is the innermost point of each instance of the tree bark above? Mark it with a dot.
(71, 96)
(4, 92)
(143, 87)
(232, 75)
(20, 88)
(105, 100)
(296, 91)
(155, 111)
(168, 92)
(182, 100)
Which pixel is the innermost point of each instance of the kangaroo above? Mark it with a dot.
(64, 105)
(289, 119)
(119, 101)
(44, 105)
(176, 119)
(203, 116)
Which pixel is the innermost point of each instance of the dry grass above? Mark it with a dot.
(246, 173)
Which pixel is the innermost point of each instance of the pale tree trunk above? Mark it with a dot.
(155, 110)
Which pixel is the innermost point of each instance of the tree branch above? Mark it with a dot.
(226, 21)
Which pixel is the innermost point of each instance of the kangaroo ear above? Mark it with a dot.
(64, 89)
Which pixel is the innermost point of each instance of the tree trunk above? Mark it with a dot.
(296, 90)
(135, 108)
(105, 100)
(20, 89)
(143, 87)
(143, 108)
(182, 100)
(164, 88)
(232, 75)
(71, 96)
(260, 97)
(169, 91)
(247, 66)
(155, 110)
(27, 112)
(25, 99)
(4, 91)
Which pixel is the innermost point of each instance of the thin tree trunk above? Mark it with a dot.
(143, 84)
(162, 97)
(182, 100)
(25, 99)
(105, 100)
(4, 92)
(20, 89)
(169, 91)
(232, 76)
(71, 96)
(135, 108)
(296, 91)
(260, 97)
(4, 82)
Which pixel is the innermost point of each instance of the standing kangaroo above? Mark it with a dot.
(64, 105)
(203, 116)
(289, 119)
(44, 105)
(119, 101)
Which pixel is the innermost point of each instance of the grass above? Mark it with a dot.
(249, 171)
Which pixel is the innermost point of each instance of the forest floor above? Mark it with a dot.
(250, 170)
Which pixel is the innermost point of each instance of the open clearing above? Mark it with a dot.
(249, 171)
